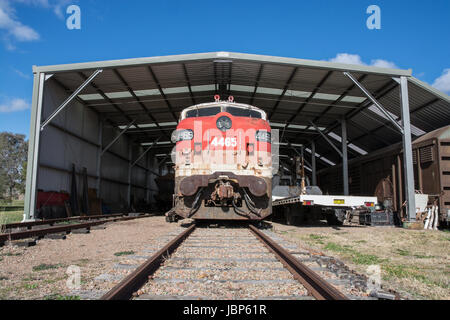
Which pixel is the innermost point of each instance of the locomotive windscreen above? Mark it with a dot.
(241, 112)
(203, 112)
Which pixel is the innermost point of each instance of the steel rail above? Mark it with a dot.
(135, 280)
(316, 285)
(59, 229)
(30, 224)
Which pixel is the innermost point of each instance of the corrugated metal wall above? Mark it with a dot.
(73, 137)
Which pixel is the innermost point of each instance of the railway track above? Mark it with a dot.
(223, 263)
(55, 228)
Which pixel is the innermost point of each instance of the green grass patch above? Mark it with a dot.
(61, 297)
(331, 246)
(403, 252)
(30, 286)
(44, 266)
(10, 254)
(406, 253)
(11, 217)
(123, 253)
(316, 237)
(356, 257)
(367, 259)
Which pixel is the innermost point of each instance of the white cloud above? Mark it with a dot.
(16, 30)
(443, 82)
(21, 74)
(14, 105)
(380, 63)
(349, 58)
(13, 27)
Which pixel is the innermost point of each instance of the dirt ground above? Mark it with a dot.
(415, 263)
(40, 272)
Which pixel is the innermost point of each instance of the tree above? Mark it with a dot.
(13, 156)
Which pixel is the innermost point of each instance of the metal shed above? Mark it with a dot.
(115, 118)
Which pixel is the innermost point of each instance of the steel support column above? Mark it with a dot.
(130, 167)
(407, 151)
(313, 163)
(33, 147)
(148, 175)
(99, 155)
(344, 156)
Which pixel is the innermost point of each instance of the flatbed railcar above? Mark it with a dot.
(381, 173)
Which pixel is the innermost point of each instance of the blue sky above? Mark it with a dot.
(413, 34)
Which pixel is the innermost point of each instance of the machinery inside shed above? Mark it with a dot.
(109, 124)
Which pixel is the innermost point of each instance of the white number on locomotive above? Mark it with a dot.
(227, 142)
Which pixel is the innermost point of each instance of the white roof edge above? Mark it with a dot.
(430, 89)
(222, 55)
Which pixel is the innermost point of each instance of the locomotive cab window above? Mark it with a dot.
(203, 112)
(243, 112)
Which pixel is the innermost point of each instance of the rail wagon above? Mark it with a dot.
(380, 173)
(223, 163)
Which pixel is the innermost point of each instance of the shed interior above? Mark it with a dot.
(119, 125)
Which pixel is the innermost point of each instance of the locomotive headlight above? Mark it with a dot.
(223, 123)
(180, 135)
(263, 136)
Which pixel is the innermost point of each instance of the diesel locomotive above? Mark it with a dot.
(223, 162)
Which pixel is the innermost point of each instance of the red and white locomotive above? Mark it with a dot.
(223, 162)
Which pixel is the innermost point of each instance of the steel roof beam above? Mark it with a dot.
(425, 105)
(138, 100)
(145, 152)
(380, 93)
(70, 98)
(286, 87)
(109, 100)
(342, 96)
(299, 110)
(327, 139)
(258, 78)
(162, 92)
(374, 101)
(188, 81)
(117, 137)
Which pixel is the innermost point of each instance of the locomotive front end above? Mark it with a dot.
(223, 162)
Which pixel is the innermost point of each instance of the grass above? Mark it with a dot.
(44, 266)
(356, 257)
(317, 238)
(406, 253)
(123, 253)
(10, 216)
(30, 286)
(10, 254)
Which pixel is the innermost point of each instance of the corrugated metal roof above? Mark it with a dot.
(291, 91)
